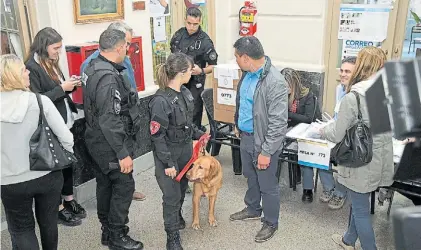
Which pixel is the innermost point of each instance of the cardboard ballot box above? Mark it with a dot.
(311, 152)
(225, 79)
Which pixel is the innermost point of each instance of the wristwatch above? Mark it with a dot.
(203, 72)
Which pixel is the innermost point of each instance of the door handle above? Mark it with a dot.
(396, 49)
(386, 52)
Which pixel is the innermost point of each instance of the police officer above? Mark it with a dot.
(172, 130)
(112, 119)
(193, 41)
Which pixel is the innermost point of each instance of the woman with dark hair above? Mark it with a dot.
(172, 131)
(303, 108)
(47, 78)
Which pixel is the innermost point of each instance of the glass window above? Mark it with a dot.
(11, 42)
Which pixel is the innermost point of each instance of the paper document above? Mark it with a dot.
(364, 22)
(159, 29)
(225, 78)
(309, 132)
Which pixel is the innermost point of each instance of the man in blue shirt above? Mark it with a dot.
(128, 73)
(261, 118)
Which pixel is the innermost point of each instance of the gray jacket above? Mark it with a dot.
(270, 110)
(379, 172)
(19, 120)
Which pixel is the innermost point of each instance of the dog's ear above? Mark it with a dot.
(214, 168)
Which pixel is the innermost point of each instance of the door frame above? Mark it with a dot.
(392, 45)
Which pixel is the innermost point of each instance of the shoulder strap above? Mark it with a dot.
(360, 116)
(41, 108)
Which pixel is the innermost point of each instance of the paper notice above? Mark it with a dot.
(363, 22)
(226, 96)
(159, 30)
(225, 78)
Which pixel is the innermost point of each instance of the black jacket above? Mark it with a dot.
(307, 111)
(40, 82)
(171, 123)
(105, 99)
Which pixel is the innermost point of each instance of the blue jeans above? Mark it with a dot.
(360, 224)
(326, 178)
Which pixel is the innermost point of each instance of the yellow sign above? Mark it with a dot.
(247, 18)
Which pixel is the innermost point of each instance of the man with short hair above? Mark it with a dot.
(112, 116)
(334, 193)
(193, 41)
(261, 120)
(128, 73)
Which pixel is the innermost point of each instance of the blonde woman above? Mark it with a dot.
(19, 185)
(360, 182)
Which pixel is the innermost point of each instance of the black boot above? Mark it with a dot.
(174, 241)
(121, 241)
(307, 196)
(67, 218)
(105, 236)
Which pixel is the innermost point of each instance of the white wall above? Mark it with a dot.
(59, 15)
(291, 31)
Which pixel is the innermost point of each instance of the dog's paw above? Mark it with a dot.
(213, 222)
(195, 225)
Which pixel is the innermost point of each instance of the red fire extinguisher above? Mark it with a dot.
(247, 18)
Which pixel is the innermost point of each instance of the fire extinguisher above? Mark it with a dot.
(247, 18)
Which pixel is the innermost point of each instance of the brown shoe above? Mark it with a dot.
(138, 196)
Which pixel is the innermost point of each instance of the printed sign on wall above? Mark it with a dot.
(363, 22)
(352, 47)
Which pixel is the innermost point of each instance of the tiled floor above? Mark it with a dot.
(301, 226)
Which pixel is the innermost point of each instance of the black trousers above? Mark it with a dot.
(198, 104)
(114, 190)
(68, 173)
(173, 192)
(18, 199)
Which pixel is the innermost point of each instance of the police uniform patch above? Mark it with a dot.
(154, 127)
(116, 102)
(212, 55)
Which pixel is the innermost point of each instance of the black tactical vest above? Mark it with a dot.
(180, 120)
(125, 100)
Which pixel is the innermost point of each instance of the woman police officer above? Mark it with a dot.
(172, 131)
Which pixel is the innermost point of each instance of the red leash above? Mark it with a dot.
(198, 148)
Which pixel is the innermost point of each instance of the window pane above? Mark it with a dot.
(10, 15)
(5, 48)
(16, 45)
(3, 18)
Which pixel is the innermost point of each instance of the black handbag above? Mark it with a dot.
(46, 152)
(356, 148)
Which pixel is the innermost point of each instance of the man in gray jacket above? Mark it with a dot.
(261, 119)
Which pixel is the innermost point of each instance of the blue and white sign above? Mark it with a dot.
(352, 47)
(364, 22)
(313, 154)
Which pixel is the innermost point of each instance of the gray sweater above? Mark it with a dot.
(19, 120)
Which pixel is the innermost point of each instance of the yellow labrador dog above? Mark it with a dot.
(207, 177)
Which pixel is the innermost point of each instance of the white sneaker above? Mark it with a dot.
(336, 202)
(338, 240)
(326, 196)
